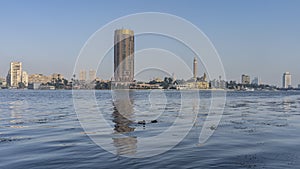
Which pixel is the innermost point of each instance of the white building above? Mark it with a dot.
(256, 81)
(34, 86)
(25, 78)
(287, 80)
(218, 84)
(92, 75)
(82, 75)
(14, 76)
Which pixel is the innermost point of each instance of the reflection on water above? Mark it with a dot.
(286, 103)
(165, 117)
(125, 145)
(122, 124)
(123, 120)
(17, 108)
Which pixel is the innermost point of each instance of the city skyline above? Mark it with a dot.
(36, 34)
(16, 75)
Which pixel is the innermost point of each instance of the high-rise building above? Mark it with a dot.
(92, 75)
(287, 80)
(195, 68)
(14, 76)
(82, 75)
(245, 79)
(124, 55)
(256, 81)
(25, 78)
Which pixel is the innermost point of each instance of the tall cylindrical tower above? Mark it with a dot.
(124, 55)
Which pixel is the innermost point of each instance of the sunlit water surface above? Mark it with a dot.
(40, 129)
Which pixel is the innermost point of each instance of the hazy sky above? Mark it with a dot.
(255, 37)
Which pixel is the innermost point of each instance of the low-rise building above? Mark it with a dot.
(46, 87)
(146, 86)
(202, 85)
(38, 78)
(34, 86)
(218, 84)
(2, 82)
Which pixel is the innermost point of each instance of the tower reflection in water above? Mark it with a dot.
(125, 143)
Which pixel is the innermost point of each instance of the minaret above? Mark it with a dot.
(195, 68)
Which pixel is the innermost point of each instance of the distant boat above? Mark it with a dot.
(182, 87)
(249, 89)
(12, 87)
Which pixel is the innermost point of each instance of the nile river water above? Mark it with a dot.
(40, 129)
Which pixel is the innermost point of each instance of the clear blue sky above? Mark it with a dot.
(255, 37)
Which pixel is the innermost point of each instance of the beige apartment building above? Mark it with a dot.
(14, 76)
